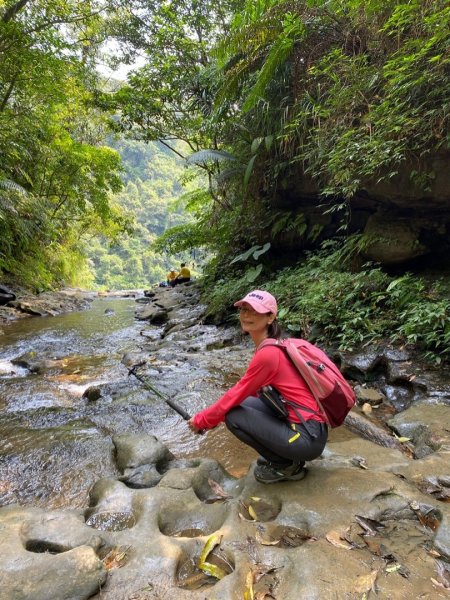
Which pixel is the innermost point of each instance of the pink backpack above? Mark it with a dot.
(332, 392)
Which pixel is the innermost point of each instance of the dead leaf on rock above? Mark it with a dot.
(370, 526)
(443, 575)
(270, 541)
(359, 461)
(217, 489)
(335, 538)
(115, 558)
(252, 513)
(366, 583)
(248, 593)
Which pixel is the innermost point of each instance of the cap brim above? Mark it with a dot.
(259, 308)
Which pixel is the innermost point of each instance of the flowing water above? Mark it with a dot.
(54, 442)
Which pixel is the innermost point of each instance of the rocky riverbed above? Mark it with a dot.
(371, 519)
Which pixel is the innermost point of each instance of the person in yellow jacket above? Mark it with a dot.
(183, 276)
(171, 276)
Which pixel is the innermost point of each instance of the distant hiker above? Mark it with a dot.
(284, 444)
(171, 275)
(183, 276)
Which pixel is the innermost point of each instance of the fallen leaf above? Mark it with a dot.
(115, 558)
(365, 583)
(370, 526)
(359, 461)
(217, 489)
(252, 513)
(248, 593)
(334, 537)
(393, 568)
(266, 542)
(208, 568)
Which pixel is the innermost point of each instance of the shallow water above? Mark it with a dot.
(54, 443)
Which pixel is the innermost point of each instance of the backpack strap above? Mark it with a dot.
(281, 344)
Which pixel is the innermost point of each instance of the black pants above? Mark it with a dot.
(255, 424)
(178, 280)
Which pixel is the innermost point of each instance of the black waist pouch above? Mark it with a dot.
(274, 400)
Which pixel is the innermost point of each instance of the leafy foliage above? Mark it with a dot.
(56, 175)
(335, 305)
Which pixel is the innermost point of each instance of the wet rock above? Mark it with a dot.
(57, 531)
(153, 315)
(6, 295)
(404, 373)
(145, 476)
(32, 362)
(400, 397)
(92, 393)
(442, 539)
(42, 572)
(368, 395)
(426, 425)
(134, 450)
(111, 506)
(360, 364)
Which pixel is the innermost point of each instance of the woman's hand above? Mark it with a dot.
(192, 426)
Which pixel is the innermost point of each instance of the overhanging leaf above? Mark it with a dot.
(262, 250)
(248, 170)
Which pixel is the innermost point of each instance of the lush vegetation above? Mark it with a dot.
(56, 173)
(326, 301)
(153, 196)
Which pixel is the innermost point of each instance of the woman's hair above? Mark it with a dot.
(274, 330)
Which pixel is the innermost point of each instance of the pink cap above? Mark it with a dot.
(261, 301)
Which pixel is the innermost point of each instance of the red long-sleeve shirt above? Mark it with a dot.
(269, 366)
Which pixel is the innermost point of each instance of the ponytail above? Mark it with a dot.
(274, 330)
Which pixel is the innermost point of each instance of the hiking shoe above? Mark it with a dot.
(262, 461)
(271, 474)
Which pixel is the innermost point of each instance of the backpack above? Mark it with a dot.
(332, 392)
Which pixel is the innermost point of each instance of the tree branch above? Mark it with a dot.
(12, 11)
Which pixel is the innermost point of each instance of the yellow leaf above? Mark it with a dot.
(393, 568)
(248, 594)
(252, 513)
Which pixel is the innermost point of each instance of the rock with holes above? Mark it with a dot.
(134, 450)
(56, 531)
(44, 570)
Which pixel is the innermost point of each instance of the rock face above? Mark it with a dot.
(401, 220)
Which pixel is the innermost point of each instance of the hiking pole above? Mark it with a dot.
(176, 407)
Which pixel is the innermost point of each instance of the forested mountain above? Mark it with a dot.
(152, 176)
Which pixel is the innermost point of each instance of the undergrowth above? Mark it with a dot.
(323, 300)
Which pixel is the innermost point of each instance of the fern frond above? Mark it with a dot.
(12, 186)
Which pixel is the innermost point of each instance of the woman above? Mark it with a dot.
(284, 446)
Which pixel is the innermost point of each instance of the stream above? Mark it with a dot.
(56, 443)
